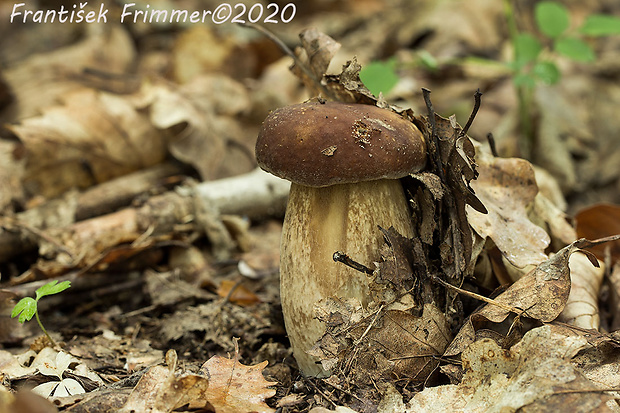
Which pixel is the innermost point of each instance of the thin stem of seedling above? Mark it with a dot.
(36, 314)
(524, 92)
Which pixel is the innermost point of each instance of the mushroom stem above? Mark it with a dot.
(318, 222)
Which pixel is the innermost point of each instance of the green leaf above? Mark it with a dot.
(552, 18)
(379, 76)
(527, 48)
(51, 288)
(575, 49)
(548, 72)
(26, 308)
(601, 25)
(428, 60)
(524, 79)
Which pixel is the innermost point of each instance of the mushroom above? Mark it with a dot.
(344, 161)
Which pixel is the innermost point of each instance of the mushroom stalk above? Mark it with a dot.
(319, 222)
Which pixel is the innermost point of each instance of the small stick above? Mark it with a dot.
(346, 260)
(492, 147)
(283, 47)
(473, 113)
(477, 296)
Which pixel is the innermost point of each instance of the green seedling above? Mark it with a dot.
(26, 308)
(534, 56)
(379, 77)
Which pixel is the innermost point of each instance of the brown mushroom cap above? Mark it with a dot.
(321, 144)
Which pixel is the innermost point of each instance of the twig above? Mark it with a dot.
(285, 49)
(343, 390)
(473, 113)
(477, 296)
(585, 243)
(41, 234)
(322, 394)
(492, 147)
(359, 340)
(349, 262)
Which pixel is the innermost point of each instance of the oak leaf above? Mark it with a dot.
(234, 387)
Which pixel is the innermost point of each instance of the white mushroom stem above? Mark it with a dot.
(319, 222)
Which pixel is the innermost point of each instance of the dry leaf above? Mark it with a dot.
(160, 391)
(92, 138)
(388, 344)
(507, 187)
(541, 294)
(39, 81)
(199, 50)
(320, 49)
(240, 295)
(581, 308)
(313, 59)
(200, 135)
(599, 221)
(235, 388)
(523, 377)
(24, 401)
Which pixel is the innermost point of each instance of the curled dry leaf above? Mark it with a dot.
(234, 387)
(581, 309)
(160, 390)
(507, 186)
(320, 49)
(198, 117)
(525, 376)
(40, 80)
(91, 138)
(541, 294)
(313, 58)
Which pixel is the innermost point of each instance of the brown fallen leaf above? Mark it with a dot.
(160, 390)
(381, 344)
(599, 221)
(581, 308)
(234, 387)
(534, 374)
(507, 186)
(24, 401)
(40, 80)
(237, 293)
(93, 137)
(314, 57)
(541, 294)
(189, 113)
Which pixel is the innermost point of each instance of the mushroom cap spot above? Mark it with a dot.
(372, 143)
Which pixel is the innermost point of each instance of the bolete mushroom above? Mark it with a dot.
(344, 161)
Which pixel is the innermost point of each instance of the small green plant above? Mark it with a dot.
(379, 76)
(534, 59)
(26, 308)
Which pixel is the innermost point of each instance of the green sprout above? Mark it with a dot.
(26, 308)
(380, 76)
(533, 59)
